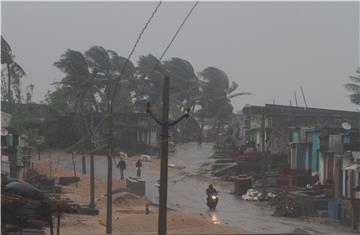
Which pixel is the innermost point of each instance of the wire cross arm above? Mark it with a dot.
(148, 110)
(173, 123)
(186, 115)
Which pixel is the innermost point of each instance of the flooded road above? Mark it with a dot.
(186, 192)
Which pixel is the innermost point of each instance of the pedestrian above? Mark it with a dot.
(122, 166)
(138, 165)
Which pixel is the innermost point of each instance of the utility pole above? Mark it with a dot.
(164, 159)
(109, 176)
(263, 154)
(92, 167)
(164, 123)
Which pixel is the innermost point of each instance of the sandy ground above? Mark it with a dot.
(129, 211)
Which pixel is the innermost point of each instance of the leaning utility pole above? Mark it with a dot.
(164, 123)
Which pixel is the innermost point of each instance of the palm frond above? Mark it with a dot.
(239, 94)
(98, 58)
(233, 87)
(6, 52)
(353, 87)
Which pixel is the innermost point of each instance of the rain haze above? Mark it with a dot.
(270, 49)
(231, 118)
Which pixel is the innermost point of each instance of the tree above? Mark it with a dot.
(77, 78)
(354, 87)
(14, 73)
(61, 100)
(29, 93)
(217, 95)
(112, 74)
(184, 82)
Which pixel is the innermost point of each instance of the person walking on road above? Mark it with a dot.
(138, 165)
(122, 166)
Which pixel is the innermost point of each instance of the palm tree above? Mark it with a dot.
(217, 95)
(184, 82)
(113, 74)
(77, 81)
(354, 87)
(149, 79)
(14, 73)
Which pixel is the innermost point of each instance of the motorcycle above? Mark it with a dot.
(212, 201)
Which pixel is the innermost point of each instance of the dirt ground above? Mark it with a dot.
(129, 211)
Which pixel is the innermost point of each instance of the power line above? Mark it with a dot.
(110, 101)
(170, 43)
(133, 49)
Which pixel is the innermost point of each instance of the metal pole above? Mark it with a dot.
(295, 99)
(303, 96)
(164, 160)
(92, 182)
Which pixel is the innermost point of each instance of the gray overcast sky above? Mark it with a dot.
(270, 49)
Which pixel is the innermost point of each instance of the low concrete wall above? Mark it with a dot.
(136, 186)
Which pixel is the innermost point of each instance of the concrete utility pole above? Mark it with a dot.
(164, 123)
(109, 176)
(92, 167)
(164, 159)
(263, 154)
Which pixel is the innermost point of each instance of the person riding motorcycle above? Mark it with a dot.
(210, 190)
(212, 198)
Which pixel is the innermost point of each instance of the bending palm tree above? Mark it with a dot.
(217, 95)
(14, 73)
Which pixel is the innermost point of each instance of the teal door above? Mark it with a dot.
(315, 151)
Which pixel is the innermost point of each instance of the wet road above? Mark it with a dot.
(186, 192)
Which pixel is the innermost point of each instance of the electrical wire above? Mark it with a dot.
(133, 49)
(169, 44)
(117, 81)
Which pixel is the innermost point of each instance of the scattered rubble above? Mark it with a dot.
(290, 205)
(255, 195)
(251, 195)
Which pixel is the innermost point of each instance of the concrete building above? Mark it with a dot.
(274, 122)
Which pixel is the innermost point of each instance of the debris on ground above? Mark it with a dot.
(290, 205)
(251, 195)
(125, 199)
